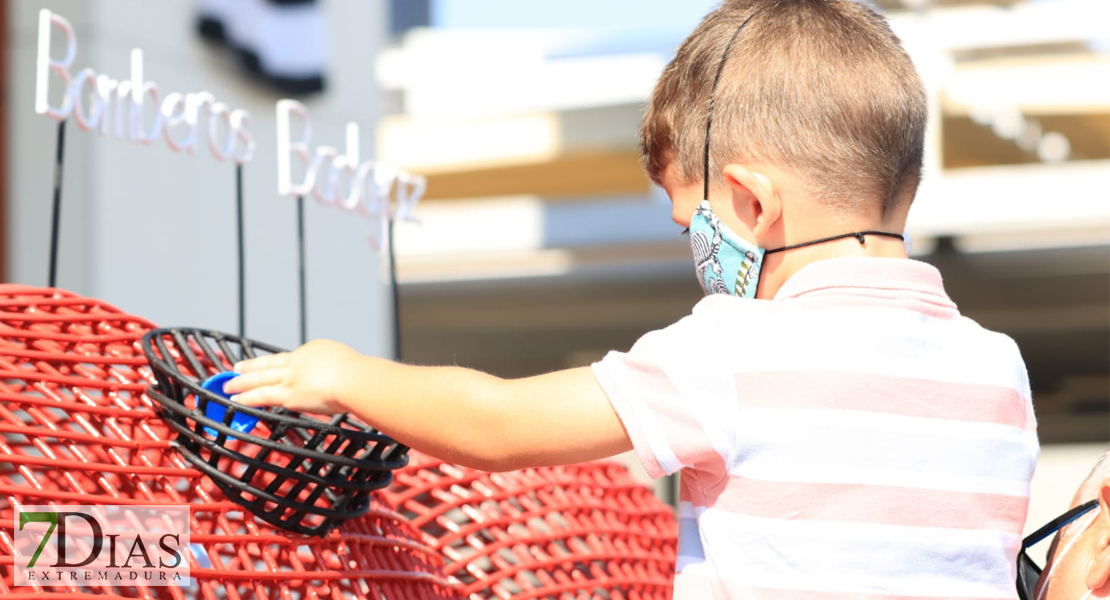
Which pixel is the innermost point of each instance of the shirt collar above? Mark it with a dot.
(864, 272)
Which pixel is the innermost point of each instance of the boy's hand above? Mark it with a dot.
(456, 414)
(308, 379)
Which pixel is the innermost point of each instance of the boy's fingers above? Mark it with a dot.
(272, 361)
(263, 396)
(254, 379)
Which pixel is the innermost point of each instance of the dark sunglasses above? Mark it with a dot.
(1028, 573)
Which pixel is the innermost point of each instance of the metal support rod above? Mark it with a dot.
(301, 269)
(396, 296)
(52, 277)
(242, 260)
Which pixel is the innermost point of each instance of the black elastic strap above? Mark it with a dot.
(713, 96)
(859, 235)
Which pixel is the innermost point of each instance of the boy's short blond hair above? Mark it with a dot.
(820, 88)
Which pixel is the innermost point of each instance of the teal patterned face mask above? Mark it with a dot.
(726, 263)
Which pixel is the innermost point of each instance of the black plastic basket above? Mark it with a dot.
(291, 470)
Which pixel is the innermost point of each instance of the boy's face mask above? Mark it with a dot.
(727, 263)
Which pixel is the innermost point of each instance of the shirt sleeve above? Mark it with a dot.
(659, 392)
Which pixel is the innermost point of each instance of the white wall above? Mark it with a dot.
(152, 231)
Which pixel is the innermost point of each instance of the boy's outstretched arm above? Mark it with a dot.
(456, 414)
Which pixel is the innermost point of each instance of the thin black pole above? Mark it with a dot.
(52, 278)
(396, 295)
(242, 261)
(301, 267)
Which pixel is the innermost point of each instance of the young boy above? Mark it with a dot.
(841, 430)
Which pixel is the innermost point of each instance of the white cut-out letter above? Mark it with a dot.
(140, 89)
(86, 79)
(350, 167)
(410, 189)
(216, 113)
(287, 148)
(173, 111)
(44, 65)
(240, 119)
(195, 104)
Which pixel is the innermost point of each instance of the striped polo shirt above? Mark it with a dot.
(854, 437)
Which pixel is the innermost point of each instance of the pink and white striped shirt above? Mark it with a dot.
(855, 437)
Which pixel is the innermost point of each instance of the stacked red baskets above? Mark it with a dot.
(584, 531)
(76, 428)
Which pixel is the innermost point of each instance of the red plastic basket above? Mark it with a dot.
(75, 428)
(582, 531)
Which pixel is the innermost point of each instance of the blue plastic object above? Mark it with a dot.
(241, 422)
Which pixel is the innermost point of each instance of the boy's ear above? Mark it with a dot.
(754, 198)
(1098, 576)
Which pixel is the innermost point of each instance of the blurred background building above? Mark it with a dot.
(541, 244)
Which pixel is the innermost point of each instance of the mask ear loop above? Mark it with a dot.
(713, 97)
(709, 111)
(859, 235)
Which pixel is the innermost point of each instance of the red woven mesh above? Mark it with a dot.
(583, 531)
(75, 428)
